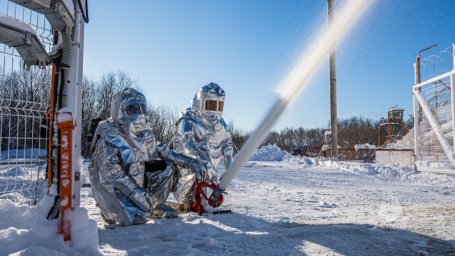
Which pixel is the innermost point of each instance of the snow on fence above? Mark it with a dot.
(24, 103)
(434, 110)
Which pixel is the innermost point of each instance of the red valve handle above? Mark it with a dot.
(197, 206)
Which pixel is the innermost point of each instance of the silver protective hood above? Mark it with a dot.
(209, 92)
(204, 139)
(120, 101)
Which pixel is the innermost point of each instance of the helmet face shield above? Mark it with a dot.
(135, 109)
(132, 108)
(214, 105)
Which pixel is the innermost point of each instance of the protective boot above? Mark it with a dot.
(164, 211)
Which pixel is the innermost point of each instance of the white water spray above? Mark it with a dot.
(298, 78)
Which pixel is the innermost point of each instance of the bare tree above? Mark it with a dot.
(96, 101)
(163, 121)
(239, 136)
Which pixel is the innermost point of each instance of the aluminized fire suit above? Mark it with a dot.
(202, 133)
(128, 182)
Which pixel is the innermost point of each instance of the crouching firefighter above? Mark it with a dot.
(202, 132)
(131, 173)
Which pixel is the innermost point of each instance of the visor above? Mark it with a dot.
(214, 105)
(135, 109)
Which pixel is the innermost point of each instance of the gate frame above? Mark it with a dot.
(67, 19)
(421, 105)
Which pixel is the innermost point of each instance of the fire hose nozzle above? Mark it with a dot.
(217, 196)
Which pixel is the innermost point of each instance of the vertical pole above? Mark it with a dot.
(71, 113)
(417, 110)
(388, 137)
(453, 56)
(452, 94)
(77, 76)
(417, 70)
(333, 92)
(379, 135)
(73, 99)
(50, 118)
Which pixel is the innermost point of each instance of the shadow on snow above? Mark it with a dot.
(236, 234)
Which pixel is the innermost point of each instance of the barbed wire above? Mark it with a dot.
(437, 64)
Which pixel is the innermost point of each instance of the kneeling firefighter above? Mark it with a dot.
(131, 173)
(202, 132)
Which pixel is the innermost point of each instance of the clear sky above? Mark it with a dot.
(172, 48)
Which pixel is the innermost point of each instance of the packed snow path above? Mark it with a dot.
(297, 207)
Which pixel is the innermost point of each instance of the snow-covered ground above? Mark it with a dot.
(282, 205)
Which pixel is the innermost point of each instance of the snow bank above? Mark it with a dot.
(387, 172)
(269, 153)
(32, 153)
(24, 230)
(380, 171)
(275, 153)
(300, 161)
(364, 146)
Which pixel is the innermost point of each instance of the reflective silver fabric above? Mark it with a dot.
(202, 134)
(125, 192)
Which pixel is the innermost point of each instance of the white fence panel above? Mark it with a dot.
(434, 125)
(24, 105)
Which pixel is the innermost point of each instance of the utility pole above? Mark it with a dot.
(333, 90)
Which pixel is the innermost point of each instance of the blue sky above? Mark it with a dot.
(172, 48)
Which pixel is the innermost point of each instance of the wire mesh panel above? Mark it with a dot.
(434, 114)
(24, 104)
(438, 97)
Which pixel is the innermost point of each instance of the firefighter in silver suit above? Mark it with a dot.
(131, 173)
(201, 132)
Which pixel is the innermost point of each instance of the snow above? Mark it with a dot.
(364, 146)
(29, 154)
(269, 153)
(436, 165)
(25, 230)
(282, 205)
(64, 115)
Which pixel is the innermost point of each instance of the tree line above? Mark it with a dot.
(96, 102)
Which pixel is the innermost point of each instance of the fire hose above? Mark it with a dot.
(289, 89)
